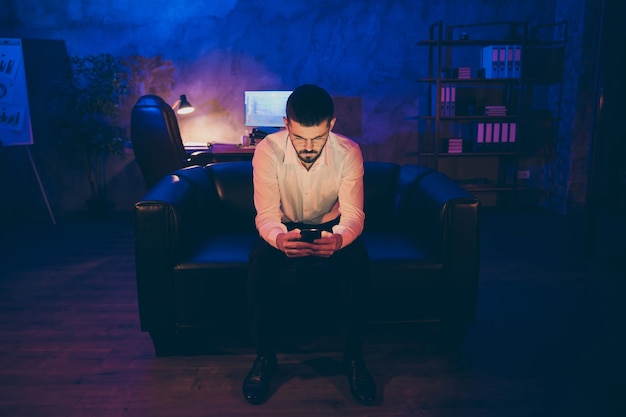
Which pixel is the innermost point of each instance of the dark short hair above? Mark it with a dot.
(310, 105)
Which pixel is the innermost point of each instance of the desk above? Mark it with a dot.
(219, 152)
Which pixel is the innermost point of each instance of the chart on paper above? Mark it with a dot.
(15, 127)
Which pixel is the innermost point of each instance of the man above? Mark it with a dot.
(307, 176)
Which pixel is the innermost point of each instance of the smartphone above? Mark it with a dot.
(309, 235)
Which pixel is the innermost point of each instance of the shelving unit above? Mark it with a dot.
(485, 86)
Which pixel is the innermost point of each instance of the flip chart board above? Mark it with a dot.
(15, 126)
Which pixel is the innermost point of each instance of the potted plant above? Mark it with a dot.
(146, 75)
(88, 120)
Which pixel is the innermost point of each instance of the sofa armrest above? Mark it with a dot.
(448, 216)
(167, 220)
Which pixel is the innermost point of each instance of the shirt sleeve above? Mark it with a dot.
(350, 197)
(267, 193)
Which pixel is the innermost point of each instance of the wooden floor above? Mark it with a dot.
(550, 339)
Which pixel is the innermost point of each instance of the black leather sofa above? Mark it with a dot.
(195, 227)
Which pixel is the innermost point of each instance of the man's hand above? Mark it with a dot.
(327, 245)
(293, 247)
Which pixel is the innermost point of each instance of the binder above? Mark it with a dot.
(442, 103)
(490, 56)
(452, 100)
(496, 133)
(504, 131)
(517, 61)
(480, 136)
(510, 59)
(488, 134)
(502, 62)
(512, 132)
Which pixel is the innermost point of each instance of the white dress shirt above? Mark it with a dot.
(284, 191)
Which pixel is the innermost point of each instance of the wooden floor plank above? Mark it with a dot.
(548, 341)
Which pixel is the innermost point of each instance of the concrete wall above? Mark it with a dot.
(362, 51)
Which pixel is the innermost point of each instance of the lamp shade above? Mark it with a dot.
(183, 105)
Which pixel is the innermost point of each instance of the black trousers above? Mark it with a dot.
(339, 284)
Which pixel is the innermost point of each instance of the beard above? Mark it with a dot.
(308, 156)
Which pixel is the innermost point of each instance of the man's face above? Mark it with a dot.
(308, 141)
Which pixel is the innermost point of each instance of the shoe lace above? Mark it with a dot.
(260, 365)
(361, 374)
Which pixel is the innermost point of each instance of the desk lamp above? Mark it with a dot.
(183, 106)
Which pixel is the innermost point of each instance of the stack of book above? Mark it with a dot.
(465, 73)
(495, 110)
(455, 145)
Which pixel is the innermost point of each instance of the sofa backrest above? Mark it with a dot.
(387, 187)
(231, 193)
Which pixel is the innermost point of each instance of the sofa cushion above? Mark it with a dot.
(223, 250)
(230, 250)
(400, 265)
(396, 248)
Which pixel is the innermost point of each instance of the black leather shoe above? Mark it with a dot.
(362, 385)
(256, 386)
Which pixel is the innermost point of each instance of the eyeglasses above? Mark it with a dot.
(314, 141)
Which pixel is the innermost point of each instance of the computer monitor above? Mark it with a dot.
(265, 108)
